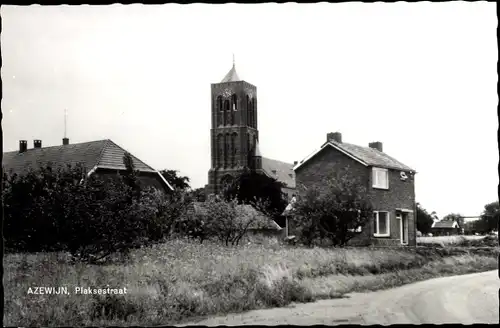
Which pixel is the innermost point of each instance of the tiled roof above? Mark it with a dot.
(231, 76)
(101, 153)
(249, 212)
(281, 171)
(445, 224)
(368, 156)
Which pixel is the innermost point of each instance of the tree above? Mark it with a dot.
(130, 177)
(228, 221)
(251, 187)
(424, 220)
(64, 210)
(334, 213)
(175, 180)
(490, 217)
(198, 194)
(472, 227)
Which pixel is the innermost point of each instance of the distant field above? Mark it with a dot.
(448, 240)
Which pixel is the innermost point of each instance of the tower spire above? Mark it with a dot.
(231, 76)
(65, 114)
(65, 139)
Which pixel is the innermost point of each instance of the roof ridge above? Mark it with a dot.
(277, 160)
(79, 143)
(101, 153)
(375, 151)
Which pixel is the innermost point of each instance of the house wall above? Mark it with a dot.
(146, 179)
(289, 192)
(445, 231)
(320, 168)
(401, 194)
(326, 162)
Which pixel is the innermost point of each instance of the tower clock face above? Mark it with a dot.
(227, 93)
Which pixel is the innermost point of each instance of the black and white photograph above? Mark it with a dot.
(250, 164)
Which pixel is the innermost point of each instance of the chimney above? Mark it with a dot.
(335, 136)
(65, 141)
(23, 146)
(295, 163)
(37, 143)
(376, 145)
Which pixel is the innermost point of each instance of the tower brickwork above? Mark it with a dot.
(234, 131)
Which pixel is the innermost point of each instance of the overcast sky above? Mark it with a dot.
(419, 77)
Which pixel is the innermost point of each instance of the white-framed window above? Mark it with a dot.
(380, 178)
(382, 227)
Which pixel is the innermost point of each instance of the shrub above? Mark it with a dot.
(64, 210)
(334, 213)
(112, 307)
(227, 221)
(250, 187)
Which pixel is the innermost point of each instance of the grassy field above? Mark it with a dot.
(182, 280)
(447, 239)
(467, 241)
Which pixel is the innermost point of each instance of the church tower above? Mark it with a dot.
(234, 132)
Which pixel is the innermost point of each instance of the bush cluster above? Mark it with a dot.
(61, 209)
(64, 210)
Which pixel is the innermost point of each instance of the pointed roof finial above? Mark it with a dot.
(231, 76)
(65, 114)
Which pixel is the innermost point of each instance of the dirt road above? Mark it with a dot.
(459, 299)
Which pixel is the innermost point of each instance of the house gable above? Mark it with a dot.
(445, 225)
(326, 146)
(364, 155)
(326, 162)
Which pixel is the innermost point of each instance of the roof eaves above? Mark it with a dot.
(390, 167)
(165, 181)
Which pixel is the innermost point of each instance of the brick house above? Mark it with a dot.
(390, 187)
(445, 228)
(102, 157)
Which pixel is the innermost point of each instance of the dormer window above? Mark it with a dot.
(380, 178)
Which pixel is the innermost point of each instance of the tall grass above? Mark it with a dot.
(467, 241)
(447, 239)
(181, 280)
